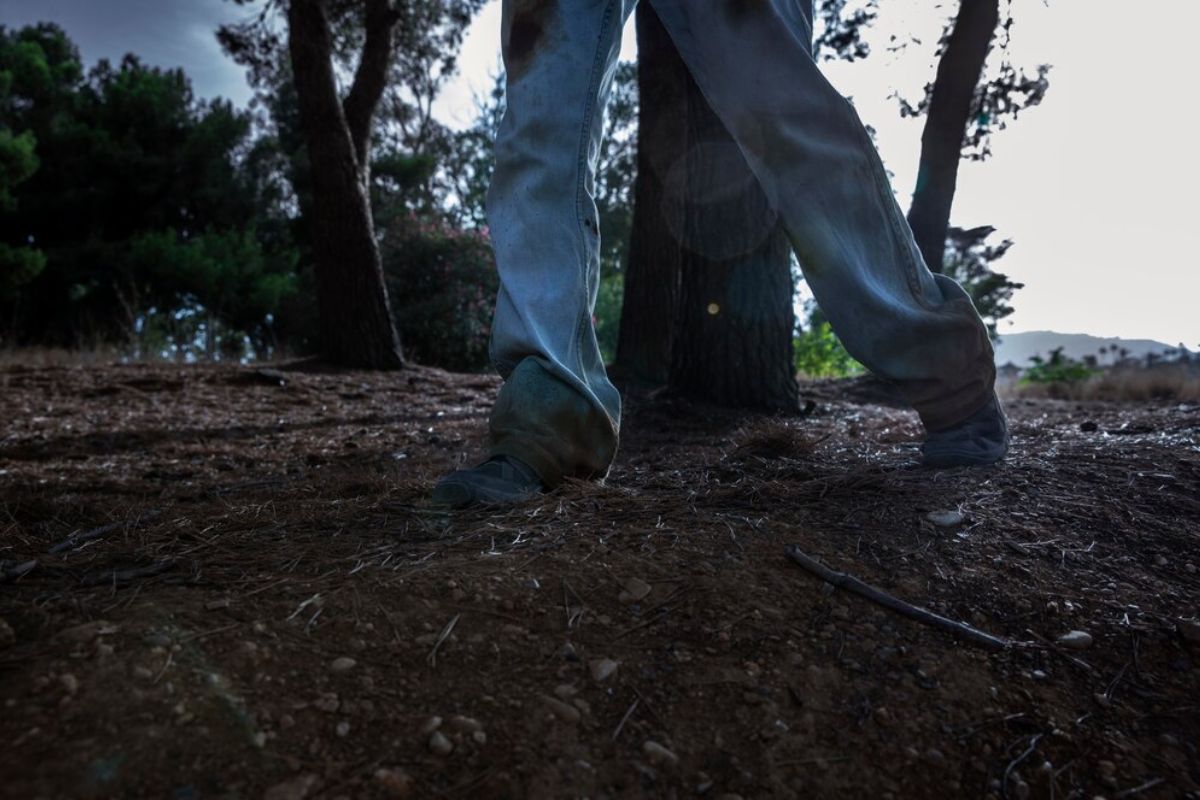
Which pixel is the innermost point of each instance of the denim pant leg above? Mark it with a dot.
(557, 410)
(817, 165)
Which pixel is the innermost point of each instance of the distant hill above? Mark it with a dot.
(1019, 347)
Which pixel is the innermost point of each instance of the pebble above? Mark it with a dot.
(294, 789)
(8, 636)
(463, 724)
(1076, 640)
(1189, 629)
(431, 725)
(568, 652)
(439, 745)
(394, 782)
(82, 634)
(142, 673)
(1161, 560)
(564, 711)
(69, 682)
(1038, 675)
(602, 669)
(343, 664)
(657, 754)
(327, 702)
(342, 729)
(945, 519)
(635, 589)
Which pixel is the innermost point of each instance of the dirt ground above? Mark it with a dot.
(227, 582)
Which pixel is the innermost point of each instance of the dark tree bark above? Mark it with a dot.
(356, 322)
(655, 259)
(702, 224)
(950, 102)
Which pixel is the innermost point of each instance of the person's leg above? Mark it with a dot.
(814, 159)
(557, 412)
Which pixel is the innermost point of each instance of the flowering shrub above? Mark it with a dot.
(442, 282)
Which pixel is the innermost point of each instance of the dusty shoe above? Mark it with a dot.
(501, 480)
(981, 438)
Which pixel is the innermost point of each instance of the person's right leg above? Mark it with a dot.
(557, 414)
(752, 60)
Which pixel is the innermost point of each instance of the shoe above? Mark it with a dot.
(981, 438)
(501, 480)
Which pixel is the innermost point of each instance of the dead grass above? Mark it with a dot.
(1170, 382)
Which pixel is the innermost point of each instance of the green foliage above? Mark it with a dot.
(227, 273)
(969, 260)
(442, 282)
(607, 318)
(144, 197)
(1057, 369)
(17, 163)
(18, 266)
(820, 354)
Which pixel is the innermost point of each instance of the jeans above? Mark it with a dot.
(808, 150)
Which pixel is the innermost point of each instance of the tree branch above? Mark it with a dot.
(370, 79)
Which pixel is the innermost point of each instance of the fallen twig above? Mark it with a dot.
(632, 707)
(76, 539)
(922, 615)
(1033, 742)
(19, 571)
(117, 577)
(1150, 784)
(432, 657)
(1083, 665)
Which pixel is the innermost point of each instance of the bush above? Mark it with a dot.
(1057, 369)
(442, 282)
(820, 354)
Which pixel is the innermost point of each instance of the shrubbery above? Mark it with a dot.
(442, 282)
(820, 354)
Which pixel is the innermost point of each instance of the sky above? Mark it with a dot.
(1095, 186)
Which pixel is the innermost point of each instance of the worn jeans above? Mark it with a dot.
(808, 150)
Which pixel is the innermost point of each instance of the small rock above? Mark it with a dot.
(568, 652)
(259, 740)
(342, 729)
(565, 691)
(343, 664)
(1038, 675)
(564, 711)
(431, 725)
(1189, 629)
(657, 754)
(69, 682)
(1076, 640)
(143, 673)
(635, 589)
(394, 782)
(294, 789)
(8, 636)
(602, 669)
(85, 633)
(1161, 560)
(439, 745)
(945, 519)
(479, 737)
(463, 724)
(327, 702)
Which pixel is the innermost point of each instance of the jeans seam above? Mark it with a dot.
(585, 140)
(875, 165)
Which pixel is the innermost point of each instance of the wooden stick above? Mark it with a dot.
(924, 616)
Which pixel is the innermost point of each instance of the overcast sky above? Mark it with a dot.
(1095, 186)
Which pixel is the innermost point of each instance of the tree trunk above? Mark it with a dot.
(958, 73)
(708, 289)
(357, 329)
(652, 272)
(734, 319)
